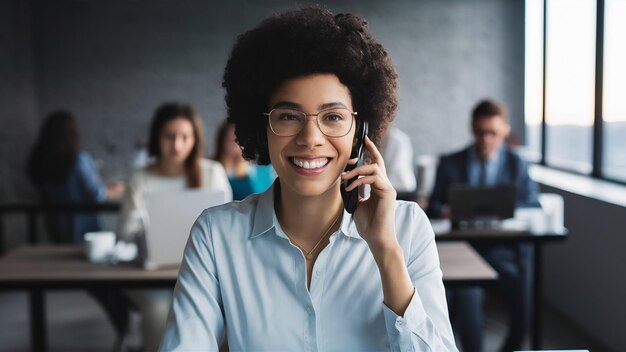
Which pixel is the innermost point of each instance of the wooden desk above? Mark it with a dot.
(444, 233)
(39, 268)
(462, 265)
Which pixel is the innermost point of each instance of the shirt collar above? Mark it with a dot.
(490, 160)
(265, 217)
(348, 227)
(264, 214)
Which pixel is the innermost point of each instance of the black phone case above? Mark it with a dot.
(351, 199)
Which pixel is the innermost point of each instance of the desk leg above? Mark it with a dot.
(537, 298)
(32, 227)
(2, 244)
(38, 320)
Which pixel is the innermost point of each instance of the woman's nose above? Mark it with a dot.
(310, 135)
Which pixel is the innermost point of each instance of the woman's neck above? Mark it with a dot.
(236, 166)
(169, 169)
(305, 219)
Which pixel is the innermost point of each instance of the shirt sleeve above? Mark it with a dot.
(398, 156)
(89, 179)
(528, 190)
(217, 178)
(425, 325)
(438, 198)
(196, 321)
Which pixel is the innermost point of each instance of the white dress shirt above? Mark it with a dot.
(240, 273)
(143, 183)
(398, 155)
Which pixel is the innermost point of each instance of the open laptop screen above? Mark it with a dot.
(170, 217)
(481, 203)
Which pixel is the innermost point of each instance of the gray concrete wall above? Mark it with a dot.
(113, 62)
(18, 103)
(584, 276)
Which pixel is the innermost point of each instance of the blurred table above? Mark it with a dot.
(510, 234)
(462, 265)
(39, 268)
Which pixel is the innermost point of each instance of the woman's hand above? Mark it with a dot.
(115, 190)
(376, 222)
(375, 216)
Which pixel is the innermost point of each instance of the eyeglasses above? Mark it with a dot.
(334, 122)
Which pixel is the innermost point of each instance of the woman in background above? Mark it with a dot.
(245, 177)
(176, 143)
(65, 174)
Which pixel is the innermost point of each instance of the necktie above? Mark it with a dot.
(482, 176)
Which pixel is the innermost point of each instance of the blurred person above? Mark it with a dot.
(488, 162)
(176, 145)
(397, 151)
(245, 177)
(64, 174)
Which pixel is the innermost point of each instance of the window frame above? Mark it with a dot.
(597, 153)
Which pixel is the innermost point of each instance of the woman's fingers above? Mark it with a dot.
(368, 174)
(373, 173)
(362, 170)
(375, 156)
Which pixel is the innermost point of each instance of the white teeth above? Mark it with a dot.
(313, 164)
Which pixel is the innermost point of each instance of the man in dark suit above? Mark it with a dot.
(488, 162)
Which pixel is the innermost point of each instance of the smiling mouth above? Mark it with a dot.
(310, 164)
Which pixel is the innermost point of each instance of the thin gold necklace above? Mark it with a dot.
(309, 254)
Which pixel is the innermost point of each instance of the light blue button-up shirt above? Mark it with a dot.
(240, 273)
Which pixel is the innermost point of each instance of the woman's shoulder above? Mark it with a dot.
(83, 154)
(140, 177)
(232, 217)
(412, 222)
(409, 208)
(83, 157)
(208, 164)
(236, 208)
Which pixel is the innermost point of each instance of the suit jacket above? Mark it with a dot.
(453, 170)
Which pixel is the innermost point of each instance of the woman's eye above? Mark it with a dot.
(288, 117)
(333, 117)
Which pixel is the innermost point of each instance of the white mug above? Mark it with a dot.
(99, 245)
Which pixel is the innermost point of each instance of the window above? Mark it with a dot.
(570, 68)
(575, 85)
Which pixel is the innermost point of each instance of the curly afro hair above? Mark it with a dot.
(298, 43)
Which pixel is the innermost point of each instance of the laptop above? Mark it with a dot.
(480, 207)
(170, 216)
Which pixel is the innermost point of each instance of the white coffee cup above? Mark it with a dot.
(99, 245)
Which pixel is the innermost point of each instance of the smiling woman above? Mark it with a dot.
(308, 161)
(290, 269)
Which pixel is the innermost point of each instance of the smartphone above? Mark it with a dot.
(351, 198)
